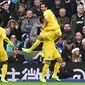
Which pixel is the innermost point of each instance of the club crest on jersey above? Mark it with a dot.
(49, 57)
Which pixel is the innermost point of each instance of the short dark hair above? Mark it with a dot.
(44, 4)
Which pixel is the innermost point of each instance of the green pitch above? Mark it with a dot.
(40, 83)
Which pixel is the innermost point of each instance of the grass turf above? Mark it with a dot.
(40, 83)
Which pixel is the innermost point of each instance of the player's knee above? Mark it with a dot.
(39, 38)
(4, 62)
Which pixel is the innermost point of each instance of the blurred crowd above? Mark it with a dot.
(22, 24)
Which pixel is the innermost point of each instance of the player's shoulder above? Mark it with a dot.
(2, 29)
(48, 10)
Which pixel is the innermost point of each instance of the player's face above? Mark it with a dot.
(43, 8)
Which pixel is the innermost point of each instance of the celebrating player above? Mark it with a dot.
(3, 54)
(49, 33)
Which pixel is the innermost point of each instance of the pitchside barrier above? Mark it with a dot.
(32, 71)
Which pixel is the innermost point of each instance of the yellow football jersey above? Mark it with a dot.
(48, 44)
(52, 20)
(4, 38)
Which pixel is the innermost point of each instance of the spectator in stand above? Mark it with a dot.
(66, 52)
(68, 33)
(49, 3)
(59, 44)
(83, 32)
(63, 19)
(28, 4)
(36, 8)
(70, 6)
(5, 13)
(78, 39)
(15, 1)
(83, 1)
(8, 32)
(16, 58)
(14, 40)
(13, 26)
(78, 19)
(25, 43)
(20, 14)
(28, 23)
(78, 2)
(35, 31)
(57, 7)
(11, 7)
(82, 50)
(76, 56)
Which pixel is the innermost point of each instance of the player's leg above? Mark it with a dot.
(43, 36)
(58, 63)
(3, 59)
(37, 42)
(4, 70)
(44, 70)
(47, 58)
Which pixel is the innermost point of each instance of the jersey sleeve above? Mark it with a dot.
(46, 15)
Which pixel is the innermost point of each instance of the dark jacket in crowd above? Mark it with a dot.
(28, 4)
(16, 59)
(70, 7)
(77, 44)
(37, 12)
(6, 16)
(55, 11)
(28, 45)
(15, 32)
(63, 21)
(64, 72)
(82, 52)
(11, 8)
(74, 20)
(69, 35)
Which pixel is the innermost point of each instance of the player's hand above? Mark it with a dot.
(63, 64)
(58, 35)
